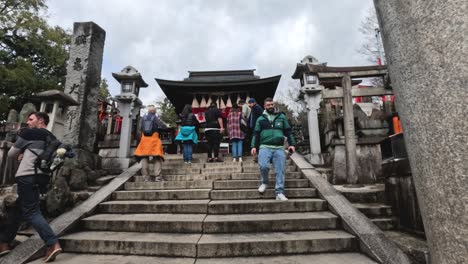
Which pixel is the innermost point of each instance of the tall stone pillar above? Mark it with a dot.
(313, 104)
(350, 135)
(427, 51)
(82, 84)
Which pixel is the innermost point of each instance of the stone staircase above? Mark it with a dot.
(212, 213)
(371, 201)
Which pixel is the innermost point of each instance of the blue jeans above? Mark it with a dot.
(28, 200)
(278, 158)
(236, 147)
(187, 150)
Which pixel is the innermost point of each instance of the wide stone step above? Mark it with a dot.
(162, 207)
(179, 194)
(254, 194)
(181, 170)
(169, 185)
(171, 166)
(191, 177)
(131, 243)
(208, 245)
(71, 258)
(171, 223)
(374, 209)
(221, 170)
(256, 175)
(253, 184)
(241, 223)
(290, 168)
(193, 223)
(266, 206)
(274, 243)
(322, 258)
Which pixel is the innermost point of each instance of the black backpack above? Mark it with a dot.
(148, 125)
(45, 160)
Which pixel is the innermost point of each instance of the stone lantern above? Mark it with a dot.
(312, 91)
(56, 103)
(129, 106)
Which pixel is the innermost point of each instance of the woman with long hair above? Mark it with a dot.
(188, 132)
(236, 135)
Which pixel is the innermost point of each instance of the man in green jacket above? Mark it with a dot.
(269, 134)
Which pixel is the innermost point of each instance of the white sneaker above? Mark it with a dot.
(234, 160)
(240, 159)
(281, 197)
(262, 188)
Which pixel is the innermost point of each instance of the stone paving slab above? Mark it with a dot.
(275, 243)
(163, 206)
(134, 243)
(169, 185)
(179, 194)
(69, 258)
(170, 223)
(265, 206)
(254, 194)
(241, 223)
(323, 258)
(254, 184)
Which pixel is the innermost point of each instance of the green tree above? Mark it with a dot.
(104, 90)
(33, 55)
(167, 112)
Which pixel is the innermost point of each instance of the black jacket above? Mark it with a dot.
(255, 112)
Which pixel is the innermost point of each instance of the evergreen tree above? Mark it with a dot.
(167, 112)
(33, 55)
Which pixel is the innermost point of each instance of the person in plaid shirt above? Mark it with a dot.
(235, 133)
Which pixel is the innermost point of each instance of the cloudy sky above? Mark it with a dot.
(166, 38)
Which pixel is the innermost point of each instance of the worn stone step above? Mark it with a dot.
(181, 170)
(131, 243)
(162, 207)
(253, 184)
(322, 258)
(276, 222)
(71, 258)
(374, 193)
(221, 170)
(385, 223)
(256, 175)
(254, 194)
(190, 177)
(266, 206)
(169, 185)
(169, 223)
(179, 194)
(374, 209)
(173, 165)
(275, 243)
(291, 168)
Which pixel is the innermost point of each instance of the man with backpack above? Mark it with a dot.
(31, 180)
(150, 145)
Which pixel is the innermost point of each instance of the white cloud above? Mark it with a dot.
(167, 38)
